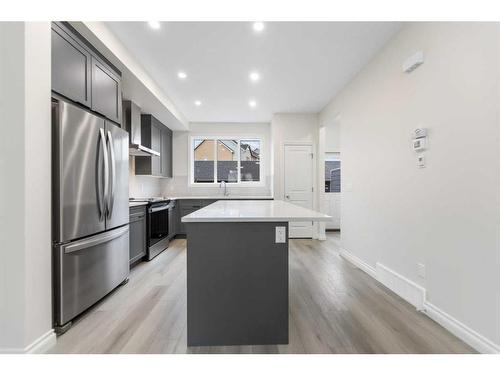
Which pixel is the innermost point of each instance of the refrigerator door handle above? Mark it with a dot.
(102, 199)
(111, 197)
(96, 240)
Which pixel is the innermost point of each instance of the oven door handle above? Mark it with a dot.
(158, 208)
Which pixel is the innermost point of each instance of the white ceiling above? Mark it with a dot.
(302, 64)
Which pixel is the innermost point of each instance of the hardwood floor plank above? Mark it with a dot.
(334, 308)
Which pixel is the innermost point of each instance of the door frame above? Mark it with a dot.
(314, 175)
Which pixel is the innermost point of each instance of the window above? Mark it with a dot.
(234, 161)
(332, 172)
(227, 160)
(204, 157)
(250, 160)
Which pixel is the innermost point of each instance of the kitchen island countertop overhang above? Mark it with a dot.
(253, 211)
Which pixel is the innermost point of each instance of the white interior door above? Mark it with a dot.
(298, 185)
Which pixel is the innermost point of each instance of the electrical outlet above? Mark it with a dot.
(421, 270)
(280, 235)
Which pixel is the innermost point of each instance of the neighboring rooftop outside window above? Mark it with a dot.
(229, 160)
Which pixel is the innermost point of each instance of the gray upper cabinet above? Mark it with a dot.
(81, 74)
(166, 152)
(71, 67)
(157, 137)
(156, 146)
(106, 91)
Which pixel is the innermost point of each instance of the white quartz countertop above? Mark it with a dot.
(229, 197)
(253, 210)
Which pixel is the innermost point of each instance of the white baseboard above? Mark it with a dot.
(416, 295)
(358, 263)
(403, 287)
(465, 333)
(39, 346)
(42, 344)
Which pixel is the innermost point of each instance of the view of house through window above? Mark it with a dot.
(228, 160)
(204, 158)
(332, 172)
(250, 160)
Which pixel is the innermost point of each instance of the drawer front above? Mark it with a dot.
(88, 269)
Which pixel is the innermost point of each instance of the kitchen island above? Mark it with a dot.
(237, 271)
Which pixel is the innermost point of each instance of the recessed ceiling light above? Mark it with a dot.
(182, 75)
(252, 103)
(254, 76)
(258, 26)
(197, 103)
(154, 24)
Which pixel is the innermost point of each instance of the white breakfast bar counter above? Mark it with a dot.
(237, 271)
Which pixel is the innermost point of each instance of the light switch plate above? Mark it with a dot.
(421, 161)
(280, 234)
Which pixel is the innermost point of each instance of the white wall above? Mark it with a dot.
(331, 122)
(25, 189)
(179, 184)
(447, 214)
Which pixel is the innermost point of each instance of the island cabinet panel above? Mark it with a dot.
(137, 235)
(237, 284)
(71, 67)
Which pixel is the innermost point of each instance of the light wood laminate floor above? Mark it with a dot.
(334, 308)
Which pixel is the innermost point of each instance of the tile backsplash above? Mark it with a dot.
(179, 186)
(142, 186)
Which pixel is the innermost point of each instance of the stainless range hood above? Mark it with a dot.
(132, 122)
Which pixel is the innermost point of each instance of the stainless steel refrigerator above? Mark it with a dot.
(91, 209)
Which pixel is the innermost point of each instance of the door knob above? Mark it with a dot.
(287, 196)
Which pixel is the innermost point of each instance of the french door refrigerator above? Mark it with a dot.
(90, 209)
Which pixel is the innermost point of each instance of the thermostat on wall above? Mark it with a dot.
(419, 133)
(419, 144)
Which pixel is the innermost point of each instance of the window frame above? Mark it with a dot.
(335, 156)
(238, 138)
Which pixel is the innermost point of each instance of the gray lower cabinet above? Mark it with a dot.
(187, 206)
(172, 220)
(71, 67)
(137, 233)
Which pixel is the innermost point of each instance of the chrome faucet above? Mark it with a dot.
(223, 184)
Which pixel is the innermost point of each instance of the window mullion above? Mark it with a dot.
(239, 161)
(215, 161)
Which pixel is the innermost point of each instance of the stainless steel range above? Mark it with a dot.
(159, 224)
